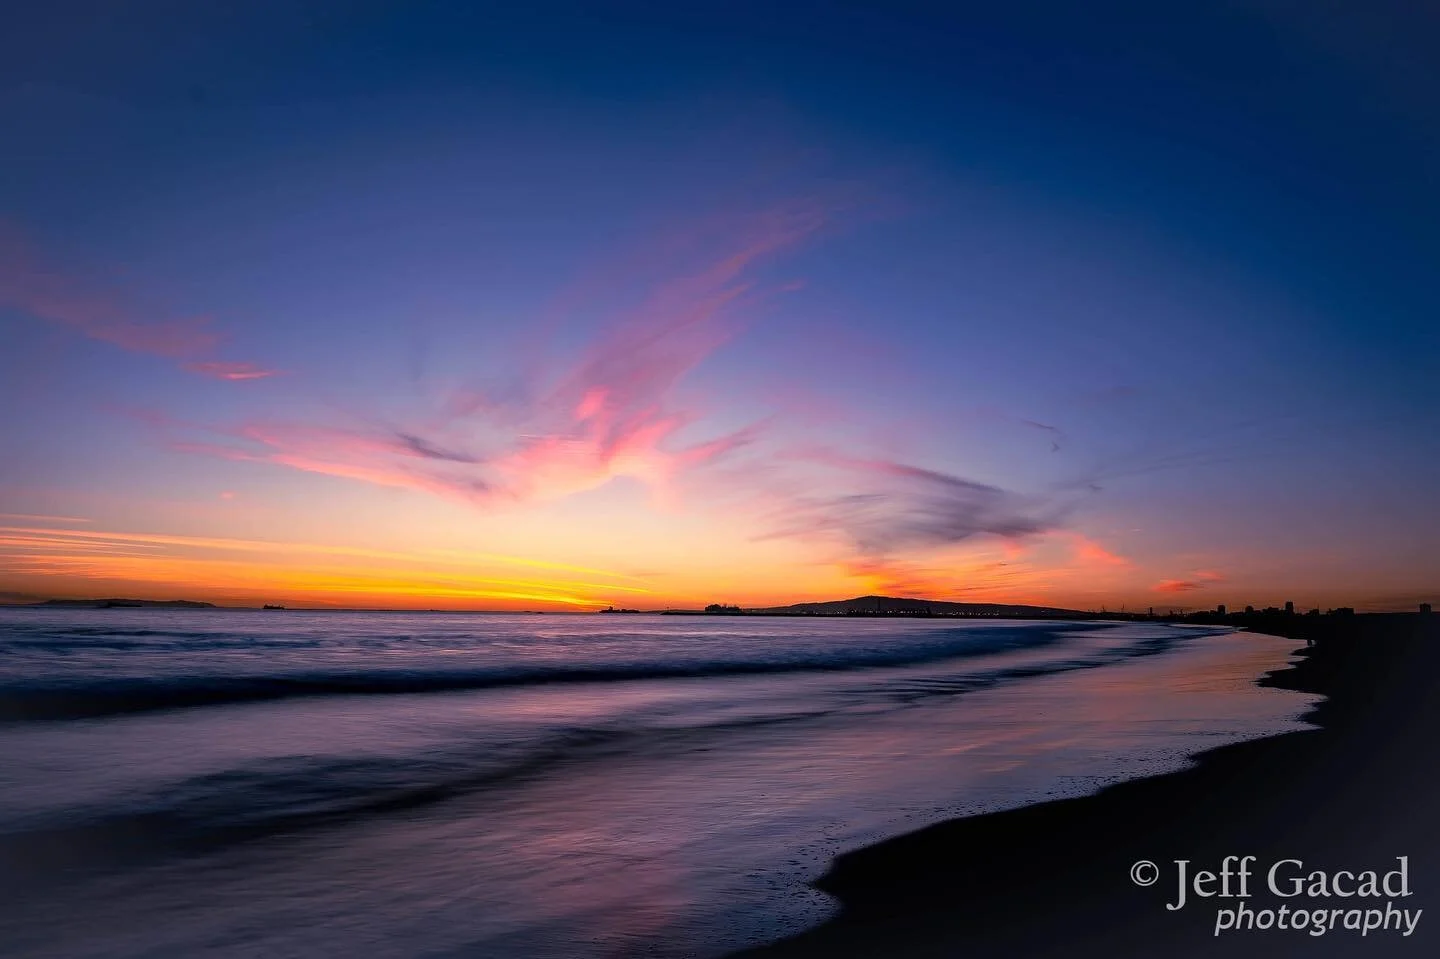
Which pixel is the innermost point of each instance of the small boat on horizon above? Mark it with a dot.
(270, 606)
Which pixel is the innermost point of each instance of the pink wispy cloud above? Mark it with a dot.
(571, 425)
(32, 285)
(221, 370)
(1092, 553)
(1199, 580)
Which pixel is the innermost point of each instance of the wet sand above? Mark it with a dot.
(1054, 879)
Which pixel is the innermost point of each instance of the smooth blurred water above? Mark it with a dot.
(275, 783)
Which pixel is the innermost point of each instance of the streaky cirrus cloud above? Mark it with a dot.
(123, 540)
(33, 286)
(43, 518)
(1199, 580)
(222, 370)
(1177, 586)
(308, 569)
(574, 423)
(1057, 436)
(881, 507)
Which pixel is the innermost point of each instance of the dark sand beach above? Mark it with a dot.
(1352, 794)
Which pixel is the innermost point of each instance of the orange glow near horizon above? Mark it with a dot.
(1062, 570)
(595, 473)
(53, 562)
(77, 561)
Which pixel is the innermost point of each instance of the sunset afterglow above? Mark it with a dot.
(492, 344)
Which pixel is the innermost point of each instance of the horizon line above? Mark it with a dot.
(773, 609)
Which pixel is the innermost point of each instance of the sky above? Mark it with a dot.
(547, 306)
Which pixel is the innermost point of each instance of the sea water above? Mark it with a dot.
(294, 783)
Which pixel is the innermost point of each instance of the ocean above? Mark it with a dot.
(304, 783)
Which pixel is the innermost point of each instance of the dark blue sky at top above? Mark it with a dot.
(1297, 140)
(1091, 196)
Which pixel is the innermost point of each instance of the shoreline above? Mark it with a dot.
(1353, 793)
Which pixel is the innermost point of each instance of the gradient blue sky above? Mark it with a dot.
(451, 304)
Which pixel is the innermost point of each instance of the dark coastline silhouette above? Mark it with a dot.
(892, 606)
(126, 604)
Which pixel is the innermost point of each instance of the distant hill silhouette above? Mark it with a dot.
(127, 603)
(897, 606)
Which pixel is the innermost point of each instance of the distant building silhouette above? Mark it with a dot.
(1424, 609)
(1289, 608)
(1249, 610)
(1220, 609)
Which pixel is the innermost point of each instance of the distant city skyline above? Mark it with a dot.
(419, 306)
